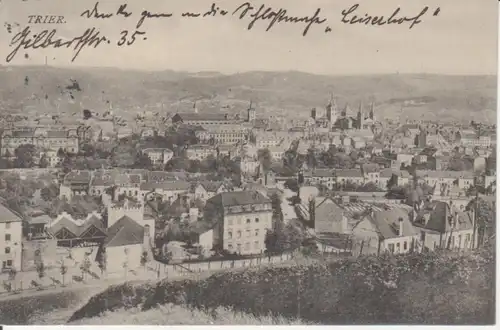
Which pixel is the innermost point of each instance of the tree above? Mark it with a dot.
(144, 259)
(85, 265)
(63, 269)
(393, 182)
(143, 161)
(265, 159)
(102, 261)
(292, 184)
(40, 269)
(50, 192)
(44, 162)
(25, 155)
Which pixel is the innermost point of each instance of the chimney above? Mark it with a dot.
(400, 220)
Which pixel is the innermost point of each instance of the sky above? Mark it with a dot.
(461, 39)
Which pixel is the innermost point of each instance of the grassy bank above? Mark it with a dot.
(414, 289)
(179, 315)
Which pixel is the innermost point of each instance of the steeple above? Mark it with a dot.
(361, 116)
(372, 114)
(250, 113)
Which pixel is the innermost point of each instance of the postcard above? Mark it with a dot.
(199, 162)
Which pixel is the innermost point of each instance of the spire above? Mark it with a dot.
(372, 111)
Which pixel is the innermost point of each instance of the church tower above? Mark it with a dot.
(361, 116)
(372, 114)
(332, 111)
(251, 113)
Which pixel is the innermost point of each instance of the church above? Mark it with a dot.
(345, 119)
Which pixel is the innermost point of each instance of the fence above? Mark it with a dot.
(29, 281)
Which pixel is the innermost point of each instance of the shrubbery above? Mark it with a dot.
(419, 289)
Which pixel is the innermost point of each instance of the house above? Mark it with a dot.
(124, 245)
(371, 173)
(385, 231)
(241, 220)
(75, 183)
(205, 190)
(446, 179)
(353, 176)
(404, 158)
(325, 177)
(200, 151)
(444, 225)
(327, 216)
(159, 156)
(10, 239)
(167, 190)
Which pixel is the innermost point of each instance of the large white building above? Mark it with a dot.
(241, 220)
(10, 239)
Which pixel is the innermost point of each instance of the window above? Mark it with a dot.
(391, 248)
(405, 246)
(256, 244)
(248, 233)
(230, 222)
(247, 246)
(248, 220)
(256, 232)
(7, 237)
(256, 220)
(9, 263)
(467, 238)
(7, 225)
(239, 248)
(230, 247)
(230, 234)
(7, 250)
(239, 221)
(397, 247)
(238, 234)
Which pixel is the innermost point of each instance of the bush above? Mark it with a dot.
(413, 289)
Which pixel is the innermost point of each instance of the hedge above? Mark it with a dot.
(427, 288)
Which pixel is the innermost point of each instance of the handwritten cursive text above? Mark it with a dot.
(348, 17)
(45, 39)
(277, 16)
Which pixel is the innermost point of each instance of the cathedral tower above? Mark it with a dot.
(361, 116)
(332, 111)
(251, 113)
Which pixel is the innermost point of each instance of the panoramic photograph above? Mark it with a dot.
(327, 162)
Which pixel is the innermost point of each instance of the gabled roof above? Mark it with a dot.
(211, 186)
(386, 222)
(124, 232)
(68, 224)
(6, 215)
(442, 218)
(235, 198)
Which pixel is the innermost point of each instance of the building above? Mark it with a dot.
(388, 231)
(204, 119)
(75, 183)
(41, 137)
(226, 134)
(443, 225)
(241, 220)
(353, 176)
(11, 234)
(205, 190)
(158, 156)
(200, 151)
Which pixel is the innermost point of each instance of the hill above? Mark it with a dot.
(293, 93)
(406, 289)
